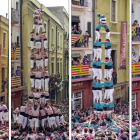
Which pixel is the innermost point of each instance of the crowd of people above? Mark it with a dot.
(80, 61)
(43, 133)
(91, 123)
(135, 124)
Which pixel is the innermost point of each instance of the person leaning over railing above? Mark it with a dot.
(13, 73)
(134, 58)
(85, 39)
(85, 60)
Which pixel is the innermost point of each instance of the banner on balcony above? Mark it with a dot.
(136, 68)
(80, 70)
(74, 38)
(15, 81)
(52, 95)
(15, 53)
(123, 44)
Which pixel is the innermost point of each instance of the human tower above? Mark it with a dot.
(38, 111)
(102, 106)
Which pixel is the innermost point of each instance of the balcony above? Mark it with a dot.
(55, 82)
(15, 16)
(78, 42)
(80, 71)
(80, 6)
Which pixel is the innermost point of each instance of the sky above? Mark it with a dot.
(51, 3)
(3, 7)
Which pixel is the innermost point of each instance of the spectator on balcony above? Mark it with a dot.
(134, 58)
(13, 73)
(72, 30)
(139, 59)
(18, 71)
(135, 23)
(79, 30)
(73, 62)
(85, 60)
(85, 39)
(3, 85)
(80, 60)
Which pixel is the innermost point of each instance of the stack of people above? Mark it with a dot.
(102, 106)
(38, 113)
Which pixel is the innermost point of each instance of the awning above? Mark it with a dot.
(75, 19)
(75, 55)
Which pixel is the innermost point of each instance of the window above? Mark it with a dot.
(76, 100)
(61, 40)
(52, 35)
(45, 26)
(16, 5)
(58, 40)
(2, 99)
(113, 10)
(17, 40)
(89, 28)
(4, 40)
(52, 67)
(133, 101)
(3, 79)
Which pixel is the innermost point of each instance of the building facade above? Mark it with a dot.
(135, 55)
(118, 11)
(17, 87)
(82, 96)
(61, 13)
(4, 59)
(55, 34)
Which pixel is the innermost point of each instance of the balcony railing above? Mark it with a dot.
(15, 82)
(15, 53)
(15, 15)
(80, 70)
(77, 41)
(135, 33)
(80, 3)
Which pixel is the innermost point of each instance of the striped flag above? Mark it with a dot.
(74, 38)
(135, 68)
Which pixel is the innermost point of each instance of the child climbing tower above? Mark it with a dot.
(102, 106)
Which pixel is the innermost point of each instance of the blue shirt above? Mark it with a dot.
(99, 43)
(94, 63)
(106, 84)
(76, 117)
(110, 63)
(100, 85)
(106, 27)
(110, 83)
(109, 44)
(94, 84)
(95, 105)
(99, 26)
(110, 105)
(99, 63)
